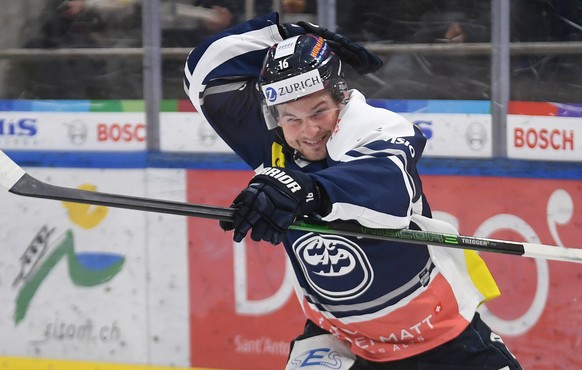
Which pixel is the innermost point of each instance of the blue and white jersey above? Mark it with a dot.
(389, 300)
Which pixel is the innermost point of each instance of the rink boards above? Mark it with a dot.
(119, 289)
(455, 129)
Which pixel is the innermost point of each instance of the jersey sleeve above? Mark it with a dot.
(373, 179)
(220, 78)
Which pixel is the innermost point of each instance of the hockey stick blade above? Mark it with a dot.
(17, 181)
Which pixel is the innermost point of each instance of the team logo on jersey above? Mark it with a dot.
(334, 266)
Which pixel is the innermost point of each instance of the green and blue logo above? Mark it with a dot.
(86, 269)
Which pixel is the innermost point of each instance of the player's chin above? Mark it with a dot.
(315, 154)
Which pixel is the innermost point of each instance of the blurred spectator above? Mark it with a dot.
(403, 21)
(535, 77)
(225, 14)
(546, 77)
(124, 30)
(65, 24)
(123, 19)
(546, 20)
(298, 10)
(420, 76)
(70, 24)
(185, 25)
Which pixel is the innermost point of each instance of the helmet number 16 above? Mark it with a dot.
(283, 64)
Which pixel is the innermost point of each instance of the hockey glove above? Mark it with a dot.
(353, 53)
(271, 202)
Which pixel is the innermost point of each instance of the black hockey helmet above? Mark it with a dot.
(296, 67)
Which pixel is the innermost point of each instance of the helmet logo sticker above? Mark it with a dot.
(270, 94)
(286, 47)
(293, 88)
(317, 48)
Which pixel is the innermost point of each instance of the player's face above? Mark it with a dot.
(308, 123)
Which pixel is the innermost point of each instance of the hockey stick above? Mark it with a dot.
(17, 181)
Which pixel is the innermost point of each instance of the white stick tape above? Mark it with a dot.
(10, 172)
(552, 253)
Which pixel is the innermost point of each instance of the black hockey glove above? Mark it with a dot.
(271, 202)
(353, 53)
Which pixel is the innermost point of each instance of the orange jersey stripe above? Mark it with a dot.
(427, 321)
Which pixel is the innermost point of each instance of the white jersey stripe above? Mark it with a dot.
(366, 216)
(225, 49)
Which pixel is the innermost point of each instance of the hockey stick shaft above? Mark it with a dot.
(17, 181)
(30, 187)
(548, 252)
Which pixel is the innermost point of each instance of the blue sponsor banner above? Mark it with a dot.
(501, 167)
(143, 159)
(45, 105)
(434, 106)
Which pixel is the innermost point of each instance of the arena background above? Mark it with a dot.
(96, 102)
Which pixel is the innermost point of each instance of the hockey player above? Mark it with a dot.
(276, 95)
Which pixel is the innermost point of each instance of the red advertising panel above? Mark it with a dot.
(243, 309)
(539, 313)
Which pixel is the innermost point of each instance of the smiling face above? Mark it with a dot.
(308, 123)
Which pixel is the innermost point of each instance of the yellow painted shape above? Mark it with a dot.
(86, 215)
(23, 363)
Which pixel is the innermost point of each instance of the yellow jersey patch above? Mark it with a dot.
(481, 276)
(277, 156)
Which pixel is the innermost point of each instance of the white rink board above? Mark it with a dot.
(544, 138)
(455, 135)
(139, 314)
(73, 131)
(450, 135)
(189, 132)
